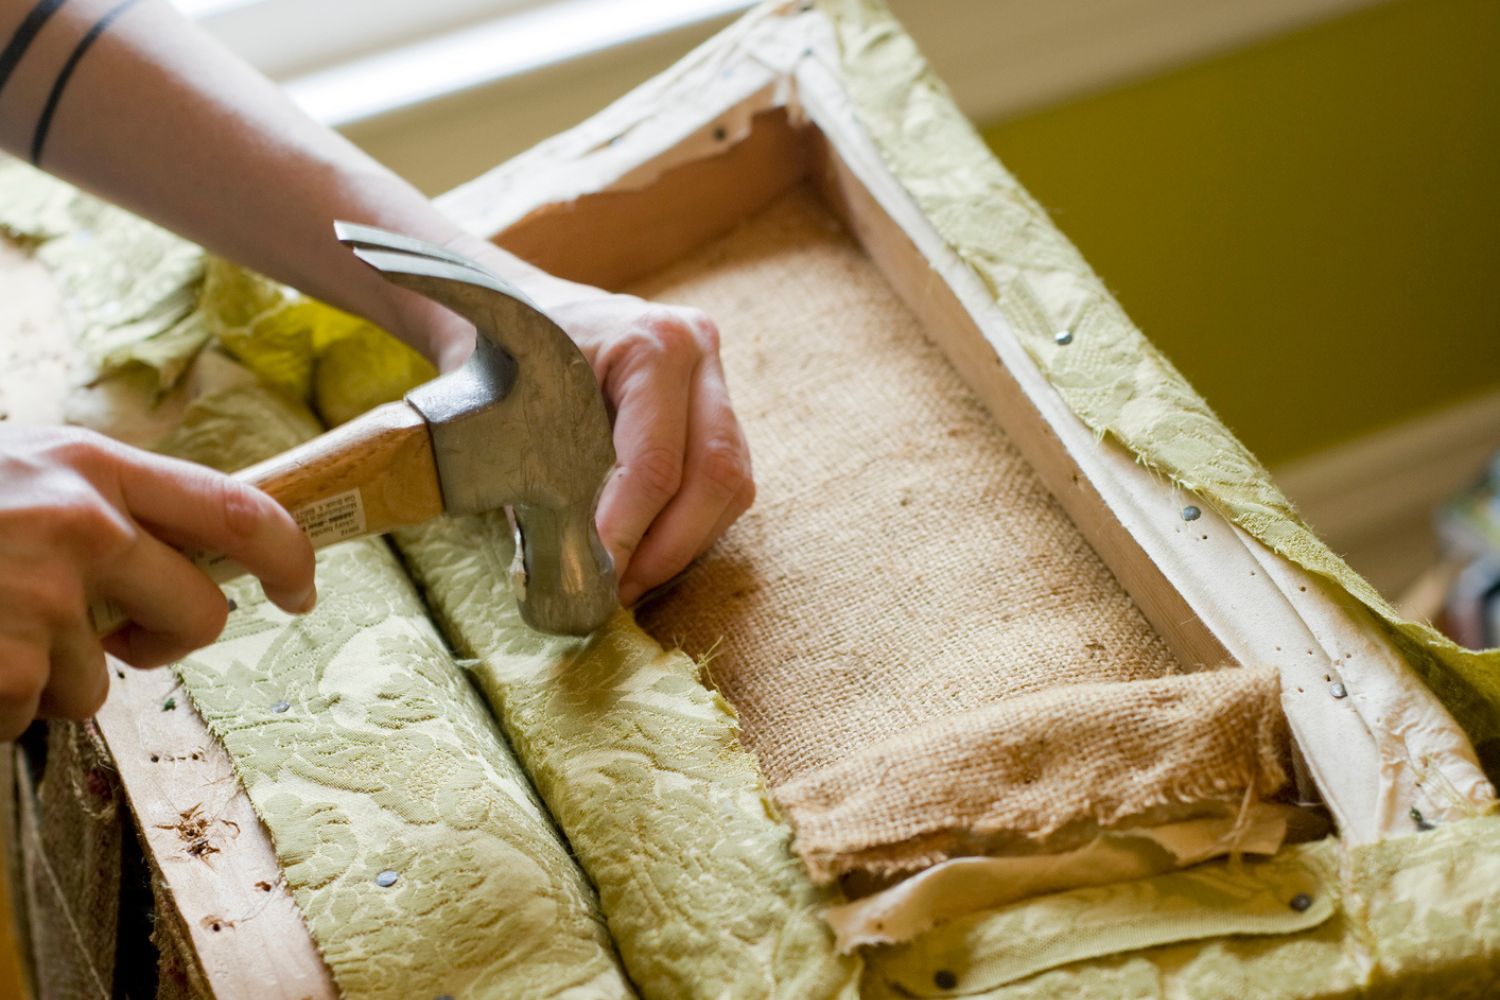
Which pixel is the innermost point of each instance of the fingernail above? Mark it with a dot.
(308, 602)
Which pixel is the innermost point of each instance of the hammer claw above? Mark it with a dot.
(357, 236)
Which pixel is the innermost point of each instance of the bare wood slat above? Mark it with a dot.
(204, 839)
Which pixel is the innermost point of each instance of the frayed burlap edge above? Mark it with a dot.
(1044, 773)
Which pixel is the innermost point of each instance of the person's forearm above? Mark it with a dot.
(160, 118)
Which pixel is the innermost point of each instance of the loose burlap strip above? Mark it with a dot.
(925, 654)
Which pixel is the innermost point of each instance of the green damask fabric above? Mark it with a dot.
(642, 767)
(414, 845)
(1117, 382)
(131, 287)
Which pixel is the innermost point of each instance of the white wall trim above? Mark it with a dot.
(1373, 498)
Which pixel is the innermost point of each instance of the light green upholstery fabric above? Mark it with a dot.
(643, 770)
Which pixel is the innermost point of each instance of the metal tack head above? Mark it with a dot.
(1301, 902)
(386, 879)
(280, 706)
(1062, 338)
(1338, 690)
(1191, 513)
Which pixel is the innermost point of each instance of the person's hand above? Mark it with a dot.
(84, 519)
(682, 472)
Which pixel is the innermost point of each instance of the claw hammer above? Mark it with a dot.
(521, 425)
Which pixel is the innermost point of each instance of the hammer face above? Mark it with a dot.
(563, 578)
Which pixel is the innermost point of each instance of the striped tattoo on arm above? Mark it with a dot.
(39, 137)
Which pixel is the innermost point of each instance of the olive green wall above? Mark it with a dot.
(1309, 227)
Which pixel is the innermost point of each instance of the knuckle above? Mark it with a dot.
(656, 473)
(84, 450)
(667, 328)
(661, 335)
(240, 508)
(85, 519)
(724, 467)
(202, 624)
(704, 329)
(21, 688)
(55, 597)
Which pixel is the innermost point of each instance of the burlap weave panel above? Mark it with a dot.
(925, 654)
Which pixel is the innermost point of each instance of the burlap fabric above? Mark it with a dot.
(926, 656)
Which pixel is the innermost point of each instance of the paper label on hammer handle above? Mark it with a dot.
(333, 519)
(329, 520)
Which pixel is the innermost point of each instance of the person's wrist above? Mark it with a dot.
(438, 334)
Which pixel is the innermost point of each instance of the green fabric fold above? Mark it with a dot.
(642, 767)
(976, 955)
(131, 287)
(1412, 916)
(141, 296)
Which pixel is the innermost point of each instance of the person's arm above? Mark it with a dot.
(161, 119)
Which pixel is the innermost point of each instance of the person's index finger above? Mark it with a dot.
(195, 507)
(651, 432)
(716, 488)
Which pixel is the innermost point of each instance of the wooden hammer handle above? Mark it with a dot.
(375, 473)
(383, 458)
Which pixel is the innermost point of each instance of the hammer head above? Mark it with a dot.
(521, 425)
